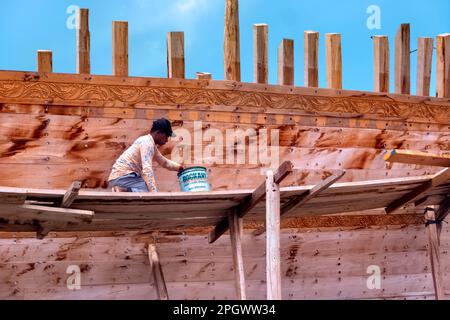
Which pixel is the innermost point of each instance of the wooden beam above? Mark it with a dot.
(83, 43)
(286, 62)
(203, 76)
(71, 194)
(45, 61)
(261, 53)
(296, 202)
(273, 263)
(333, 54)
(424, 62)
(443, 65)
(236, 231)
(120, 48)
(232, 55)
(175, 55)
(433, 243)
(437, 180)
(311, 59)
(418, 157)
(442, 213)
(402, 59)
(55, 214)
(250, 202)
(158, 276)
(381, 63)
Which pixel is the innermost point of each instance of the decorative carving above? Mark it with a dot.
(158, 95)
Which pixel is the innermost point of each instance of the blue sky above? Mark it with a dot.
(31, 25)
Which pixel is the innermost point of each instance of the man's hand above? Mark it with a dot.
(181, 168)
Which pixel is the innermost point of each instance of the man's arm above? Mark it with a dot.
(147, 152)
(166, 163)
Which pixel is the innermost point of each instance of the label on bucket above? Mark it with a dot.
(194, 180)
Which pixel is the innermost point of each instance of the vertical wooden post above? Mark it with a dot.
(203, 76)
(443, 65)
(261, 53)
(424, 61)
(381, 63)
(45, 61)
(175, 55)
(311, 58)
(402, 60)
(231, 49)
(433, 241)
(158, 275)
(236, 230)
(286, 62)
(273, 268)
(83, 43)
(334, 60)
(120, 48)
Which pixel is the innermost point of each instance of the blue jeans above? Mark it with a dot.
(132, 182)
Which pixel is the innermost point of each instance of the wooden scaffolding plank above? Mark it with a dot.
(286, 62)
(175, 55)
(311, 59)
(158, 276)
(438, 179)
(273, 263)
(418, 157)
(45, 61)
(333, 53)
(433, 243)
(443, 65)
(120, 48)
(231, 54)
(71, 194)
(236, 231)
(55, 214)
(424, 62)
(381, 63)
(83, 43)
(261, 53)
(402, 59)
(251, 201)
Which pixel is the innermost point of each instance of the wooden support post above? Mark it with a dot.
(381, 63)
(158, 276)
(402, 60)
(443, 65)
(175, 55)
(424, 62)
(120, 48)
(261, 53)
(45, 61)
(231, 50)
(273, 263)
(236, 231)
(433, 242)
(83, 43)
(311, 59)
(333, 54)
(203, 76)
(71, 194)
(286, 62)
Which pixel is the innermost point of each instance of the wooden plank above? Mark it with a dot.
(433, 243)
(424, 62)
(54, 214)
(236, 232)
(157, 272)
(175, 55)
(439, 179)
(273, 263)
(120, 48)
(311, 59)
(231, 50)
(71, 194)
(418, 157)
(251, 201)
(203, 76)
(443, 65)
(83, 43)
(286, 62)
(261, 53)
(402, 59)
(333, 53)
(381, 63)
(45, 61)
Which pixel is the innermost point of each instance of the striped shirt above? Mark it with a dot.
(138, 158)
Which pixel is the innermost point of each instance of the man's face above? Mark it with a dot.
(160, 138)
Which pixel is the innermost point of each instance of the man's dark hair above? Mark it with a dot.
(162, 125)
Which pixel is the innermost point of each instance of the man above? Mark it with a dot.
(133, 170)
